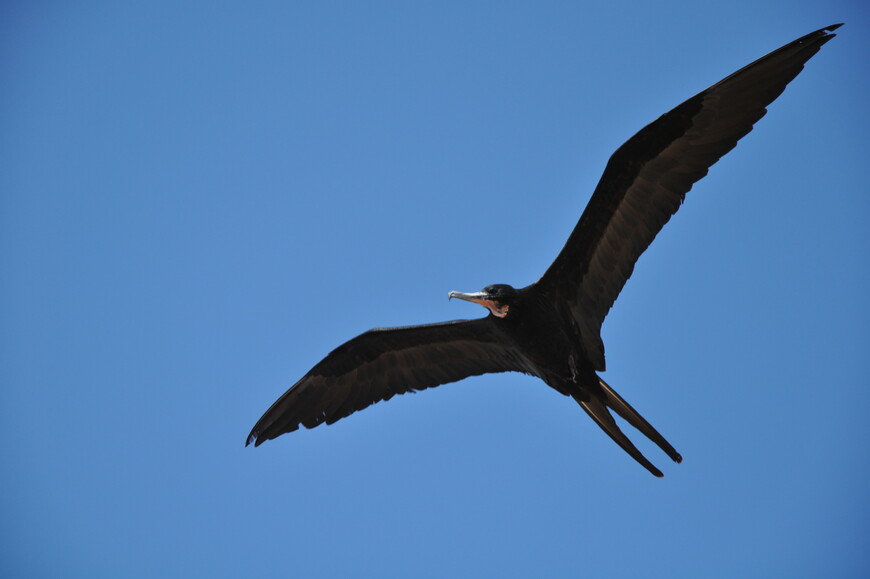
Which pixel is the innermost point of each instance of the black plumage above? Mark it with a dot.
(551, 329)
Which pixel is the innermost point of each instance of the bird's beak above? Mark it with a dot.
(476, 297)
(484, 299)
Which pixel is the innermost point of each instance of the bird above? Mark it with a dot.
(551, 329)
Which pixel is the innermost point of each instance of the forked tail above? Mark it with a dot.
(596, 404)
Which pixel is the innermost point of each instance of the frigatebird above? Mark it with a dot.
(552, 328)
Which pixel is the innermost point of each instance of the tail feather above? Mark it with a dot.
(630, 415)
(597, 410)
(597, 401)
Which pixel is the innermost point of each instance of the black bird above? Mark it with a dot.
(551, 329)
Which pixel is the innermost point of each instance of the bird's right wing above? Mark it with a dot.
(381, 363)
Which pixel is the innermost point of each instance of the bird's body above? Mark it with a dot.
(551, 328)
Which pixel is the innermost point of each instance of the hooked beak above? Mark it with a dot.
(476, 297)
(484, 299)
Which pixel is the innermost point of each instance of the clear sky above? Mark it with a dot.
(199, 200)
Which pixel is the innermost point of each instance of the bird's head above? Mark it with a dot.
(498, 298)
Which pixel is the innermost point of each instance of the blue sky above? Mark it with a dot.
(198, 202)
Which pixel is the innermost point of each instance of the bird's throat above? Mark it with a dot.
(499, 310)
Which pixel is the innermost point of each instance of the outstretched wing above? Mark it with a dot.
(647, 178)
(381, 363)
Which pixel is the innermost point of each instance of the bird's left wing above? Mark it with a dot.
(381, 363)
(647, 179)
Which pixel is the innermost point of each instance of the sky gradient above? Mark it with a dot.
(198, 203)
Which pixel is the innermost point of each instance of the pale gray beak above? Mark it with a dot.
(476, 297)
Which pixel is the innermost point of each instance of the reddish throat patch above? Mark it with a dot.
(499, 310)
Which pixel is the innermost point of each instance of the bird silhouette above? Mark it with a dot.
(552, 328)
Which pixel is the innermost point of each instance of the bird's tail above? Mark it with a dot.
(597, 402)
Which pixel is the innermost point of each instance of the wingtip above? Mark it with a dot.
(823, 35)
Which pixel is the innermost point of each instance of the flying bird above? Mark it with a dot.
(552, 328)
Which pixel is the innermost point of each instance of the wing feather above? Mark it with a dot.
(647, 178)
(381, 363)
